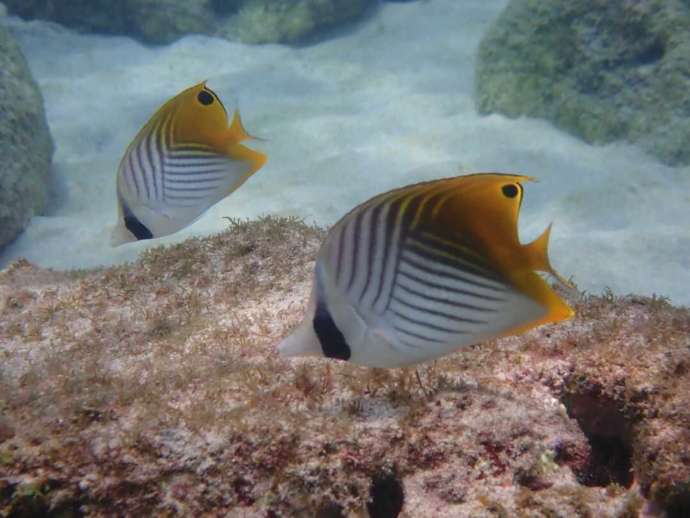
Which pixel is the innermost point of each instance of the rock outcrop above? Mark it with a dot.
(269, 21)
(153, 388)
(26, 146)
(163, 21)
(154, 21)
(602, 70)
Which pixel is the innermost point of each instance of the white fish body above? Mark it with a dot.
(170, 193)
(388, 292)
(183, 161)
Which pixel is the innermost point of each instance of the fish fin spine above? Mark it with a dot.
(237, 129)
(538, 254)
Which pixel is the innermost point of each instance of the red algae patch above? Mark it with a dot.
(154, 388)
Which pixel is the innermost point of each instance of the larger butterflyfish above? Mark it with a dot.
(419, 272)
(184, 160)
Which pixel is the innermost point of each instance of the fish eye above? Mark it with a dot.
(205, 98)
(510, 190)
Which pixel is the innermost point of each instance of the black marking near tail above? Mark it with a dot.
(330, 337)
(136, 227)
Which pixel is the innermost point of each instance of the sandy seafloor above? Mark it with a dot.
(384, 103)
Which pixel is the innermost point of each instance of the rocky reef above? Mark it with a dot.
(26, 146)
(153, 388)
(261, 21)
(163, 21)
(601, 70)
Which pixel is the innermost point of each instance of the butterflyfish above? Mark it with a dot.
(418, 272)
(184, 160)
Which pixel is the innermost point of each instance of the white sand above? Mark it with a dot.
(381, 105)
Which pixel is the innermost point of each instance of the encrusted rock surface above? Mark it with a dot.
(26, 147)
(154, 21)
(604, 70)
(154, 388)
(270, 21)
(163, 21)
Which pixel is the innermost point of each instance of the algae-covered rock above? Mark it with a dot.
(273, 21)
(84, 15)
(154, 21)
(26, 146)
(162, 21)
(154, 388)
(604, 70)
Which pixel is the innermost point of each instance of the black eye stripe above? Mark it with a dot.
(510, 190)
(205, 97)
(208, 92)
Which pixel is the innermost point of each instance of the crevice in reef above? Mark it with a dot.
(608, 432)
(386, 497)
(330, 510)
(224, 8)
(610, 462)
(679, 507)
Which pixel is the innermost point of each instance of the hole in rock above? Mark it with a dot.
(609, 462)
(651, 54)
(386, 497)
(608, 433)
(224, 7)
(679, 507)
(330, 510)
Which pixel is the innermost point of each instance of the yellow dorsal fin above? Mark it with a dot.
(237, 129)
(538, 255)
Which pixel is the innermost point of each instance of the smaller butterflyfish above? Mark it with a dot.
(417, 273)
(184, 160)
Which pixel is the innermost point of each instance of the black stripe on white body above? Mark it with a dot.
(416, 295)
(167, 185)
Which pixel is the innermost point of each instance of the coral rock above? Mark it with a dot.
(163, 21)
(602, 70)
(154, 388)
(26, 146)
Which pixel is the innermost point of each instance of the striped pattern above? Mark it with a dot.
(393, 264)
(156, 171)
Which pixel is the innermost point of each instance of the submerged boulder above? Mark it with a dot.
(26, 146)
(154, 21)
(163, 21)
(83, 15)
(269, 21)
(603, 70)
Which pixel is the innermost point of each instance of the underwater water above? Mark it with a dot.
(385, 102)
